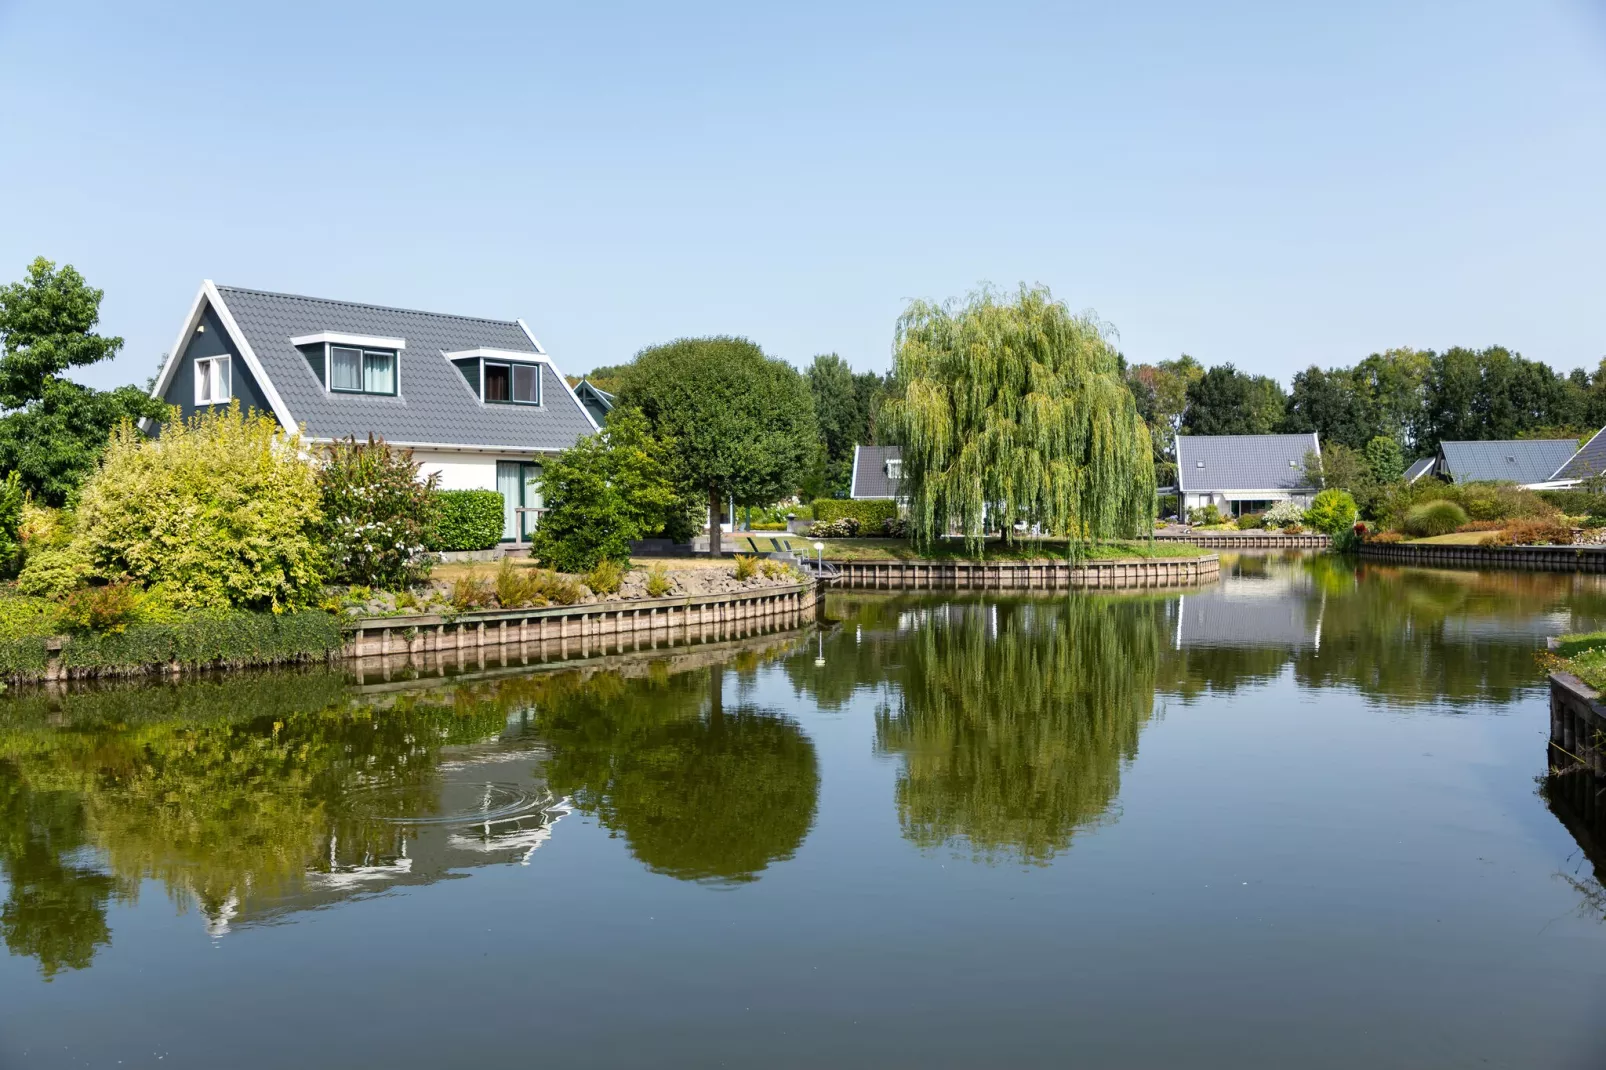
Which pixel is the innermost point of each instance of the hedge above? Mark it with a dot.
(869, 514)
(466, 520)
(1576, 502)
(234, 638)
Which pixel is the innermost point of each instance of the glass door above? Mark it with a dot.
(520, 485)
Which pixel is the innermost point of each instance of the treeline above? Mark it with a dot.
(1416, 397)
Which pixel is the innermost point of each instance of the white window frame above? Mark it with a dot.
(895, 468)
(206, 377)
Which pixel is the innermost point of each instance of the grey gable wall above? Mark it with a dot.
(213, 342)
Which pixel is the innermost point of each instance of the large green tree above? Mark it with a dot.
(742, 423)
(1014, 410)
(1161, 391)
(55, 430)
(845, 405)
(1226, 401)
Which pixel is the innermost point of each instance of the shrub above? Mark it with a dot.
(1480, 501)
(896, 528)
(53, 573)
(109, 608)
(869, 513)
(845, 528)
(1575, 502)
(603, 492)
(220, 508)
(1251, 521)
(555, 588)
(466, 520)
(658, 581)
(375, 513)
(11, 506)
(1207, 515)
(769, 525)
(1385, 537)
(1533, 533)
(1293, 529)
(1332, 512)
(746, 567)
(44, 528)
(606, 577)
(470, 590)
(226, 638)
(29, 616)
(1434, 518)
(515, 586)
(1284, 513)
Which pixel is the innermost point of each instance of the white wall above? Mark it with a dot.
(459, 471)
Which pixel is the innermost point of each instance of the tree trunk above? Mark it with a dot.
(715, 504)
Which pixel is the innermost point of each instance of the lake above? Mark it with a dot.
(1300, 818)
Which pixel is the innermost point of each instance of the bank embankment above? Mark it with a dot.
(1195, 571)
(1532, 558)
(1248, 540)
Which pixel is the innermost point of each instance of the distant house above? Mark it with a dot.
(598, 402)
(1588, 463)
(876, 472)
(1419, 468)
(1243, 473)
(477, 400)
(1526, 462)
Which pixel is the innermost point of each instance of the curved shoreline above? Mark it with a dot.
(1532, 558)
(1132, 574)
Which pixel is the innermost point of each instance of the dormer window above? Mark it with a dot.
(500, 376)
(895, 469)
(213, 381)
(353, 363)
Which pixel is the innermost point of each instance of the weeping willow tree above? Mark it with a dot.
(1015, 410)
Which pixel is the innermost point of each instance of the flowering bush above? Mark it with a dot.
(221, 509)
(1284, 513)
(842, 528)
(375, 514)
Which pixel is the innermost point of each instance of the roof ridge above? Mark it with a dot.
(364, 304)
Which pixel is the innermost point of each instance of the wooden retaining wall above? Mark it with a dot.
(598, 624)
(1577, 724)
(1249, 541)
(1534, 558)
(1030, 575)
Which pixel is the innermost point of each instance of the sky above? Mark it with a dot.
(1269, 184)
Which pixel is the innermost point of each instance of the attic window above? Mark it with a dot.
(362, 371)
(1293, 464)
(1198, 464)
(213, 382)
(1510, 459)
(895, 469)
(517, 384)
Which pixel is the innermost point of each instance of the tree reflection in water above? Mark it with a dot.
(252, 796)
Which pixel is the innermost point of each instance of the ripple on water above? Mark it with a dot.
(487, 803)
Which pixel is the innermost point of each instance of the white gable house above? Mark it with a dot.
(1243, 473)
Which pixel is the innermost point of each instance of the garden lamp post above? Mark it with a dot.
(819, 555)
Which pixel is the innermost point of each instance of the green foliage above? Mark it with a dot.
(557, 589)
(869, 513)
(56, 429)
(658, 581)
(472, 590)
(29, 616)
(1433, 518)
(1385, 458)
(1332, 512)
(221, 509)
(1225, 401)
(466, 520)
(846, 527)
(232, 638)
(1576, 502)
(108, 608)
(1207, 515)
(11, 505)
(606, 577)
(845, 406)
(746, 567)
(602, 493)
(738, 423)
(375, 512)
(1016, 411)
(53, 572)
(1161, 393)
(1250, 521)
(1480, 501)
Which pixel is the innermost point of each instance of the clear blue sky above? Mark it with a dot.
(1272, 184)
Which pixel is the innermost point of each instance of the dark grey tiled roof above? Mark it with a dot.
(1419, 468)
(435, 404)
(1243, 462)
(1588, 462)
(1530, 460)
(870, 478)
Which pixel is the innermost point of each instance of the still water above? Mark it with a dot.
(1297, 819)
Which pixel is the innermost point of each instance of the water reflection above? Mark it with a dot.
(251, 798)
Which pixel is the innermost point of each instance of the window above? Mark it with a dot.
(518, 384)
(895, 469)
(520, 484)
(213, 383)
(362, 371)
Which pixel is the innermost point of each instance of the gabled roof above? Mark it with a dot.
(1523, 460)
(1243, 462)
(870, 479)
(434, 406)
(586, 388)
(1419, 468)
(1588, 462)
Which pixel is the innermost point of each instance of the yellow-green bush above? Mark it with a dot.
(868, 512)
(222, 510)
(658, 581)
(53, 573)
(606, 578)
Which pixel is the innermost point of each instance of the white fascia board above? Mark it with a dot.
(516, 355)
(368, 341)
(853, 478)
(457, 447)
(280, 410)
(525, 327)
(165, 378)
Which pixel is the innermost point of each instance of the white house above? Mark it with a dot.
(477, 400)
(1243, 473)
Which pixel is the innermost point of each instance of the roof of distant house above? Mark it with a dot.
(1522, 460)
(1419, 468)
(1588, 462)
(872, 472)
(1243, 462)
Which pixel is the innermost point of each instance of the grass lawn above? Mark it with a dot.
(1455, 538)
